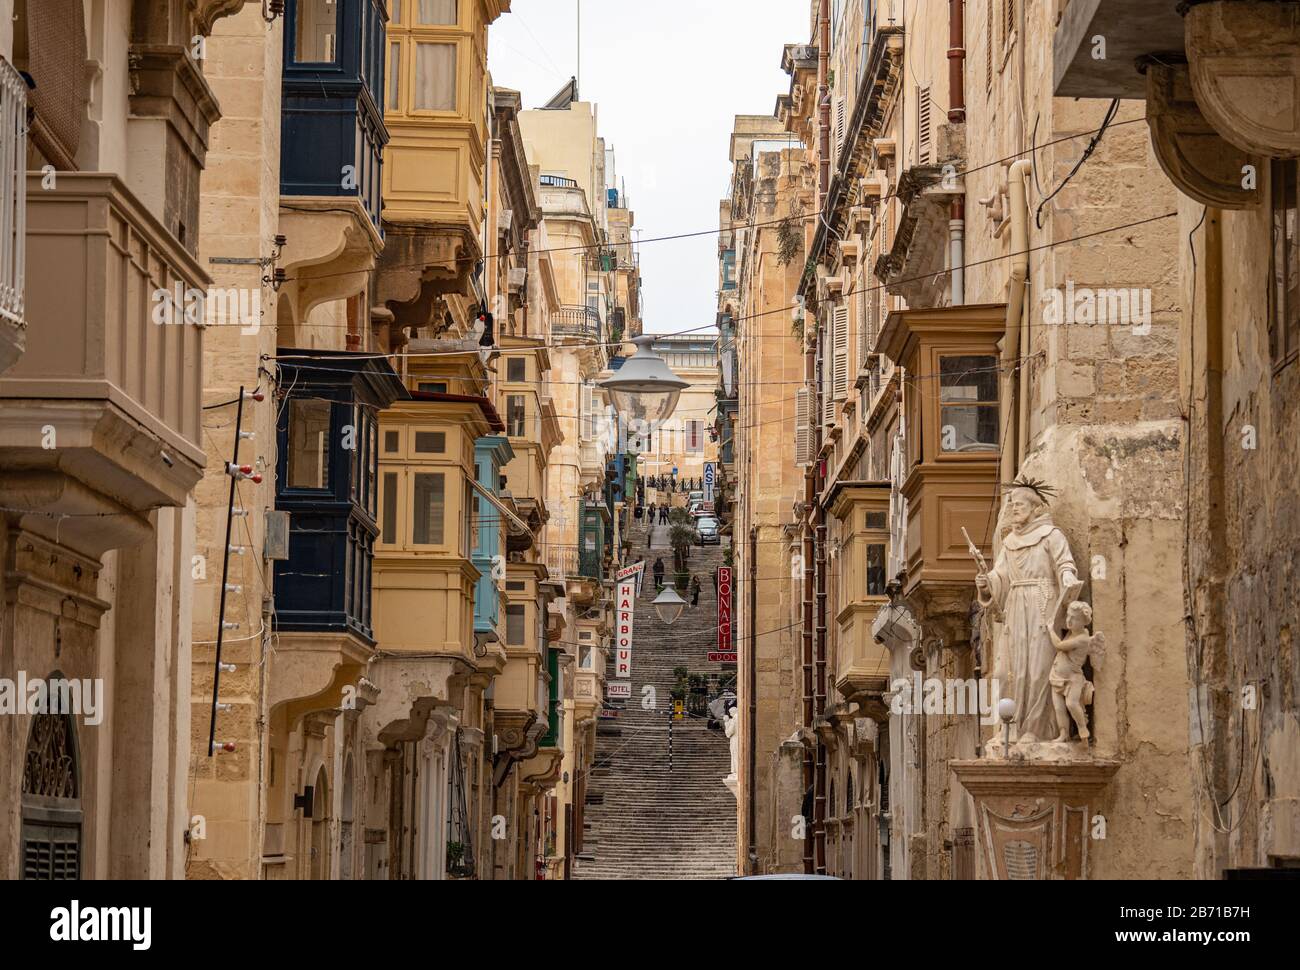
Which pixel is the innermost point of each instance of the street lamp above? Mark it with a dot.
(645, 387)
(668, 604)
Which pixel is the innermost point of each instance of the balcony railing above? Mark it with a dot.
(557, 182)
(578, 321)
(570, 562)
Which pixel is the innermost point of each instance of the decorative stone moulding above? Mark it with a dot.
(1244, 57)
(1034, 819)
(1197, 159)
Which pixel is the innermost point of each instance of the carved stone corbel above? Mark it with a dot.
(1191, 152)
(1244, 59)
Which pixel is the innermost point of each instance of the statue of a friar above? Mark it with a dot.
(1028, 590)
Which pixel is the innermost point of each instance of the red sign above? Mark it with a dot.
(724, 613)
(722, 657)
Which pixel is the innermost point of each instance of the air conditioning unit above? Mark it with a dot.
(517, 279)
(505, 219)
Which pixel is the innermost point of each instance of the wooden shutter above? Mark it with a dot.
(840, 353)
(864, 303)
(803, 426)
(988, 47)
(923, 144)
(841, 111)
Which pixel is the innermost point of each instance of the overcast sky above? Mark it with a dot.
(668, 76)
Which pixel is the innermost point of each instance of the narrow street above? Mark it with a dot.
(652, 812)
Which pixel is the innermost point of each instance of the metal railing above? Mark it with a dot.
(557, 182)
(579, 321)
(564, 562)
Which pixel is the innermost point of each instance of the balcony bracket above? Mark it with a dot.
(1244, 60)
(1192, 153)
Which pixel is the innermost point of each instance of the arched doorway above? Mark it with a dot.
(51, 799)
(320, 826)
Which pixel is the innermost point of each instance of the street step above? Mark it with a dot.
(645, 819)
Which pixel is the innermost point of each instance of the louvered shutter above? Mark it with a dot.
(840, 353)
(841, 117)
(827, 379)
(923, 144)
(803, 426)
(863, 304)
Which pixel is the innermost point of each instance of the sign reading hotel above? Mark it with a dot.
(624, 612)
(614, 690)
(724, 653)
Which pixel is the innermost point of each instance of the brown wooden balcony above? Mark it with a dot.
(952, 449)
(120, 392)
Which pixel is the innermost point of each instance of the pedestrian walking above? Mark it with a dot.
(652, 513)
(658, 570)
(695, 590)
(663, 515)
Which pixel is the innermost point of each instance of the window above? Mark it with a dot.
(469, 539)
(316, 38)
(432, 387)
(923, 124)
(392, 441)
(430, 442)
(876, 569)
(516, 617)
(435, 77)
(876, 520)
(389, 511)
(429, 509)
(515, 415)
(517, 370)
(436, 12)
(988, 47)
(394, 76)
(1284, 319)
(694, 437)
(309, 444)
(968, 403)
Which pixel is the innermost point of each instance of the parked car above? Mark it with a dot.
(702, 510)
(694, 497)
(707, 530)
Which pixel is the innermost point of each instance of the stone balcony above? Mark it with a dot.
(101, 414)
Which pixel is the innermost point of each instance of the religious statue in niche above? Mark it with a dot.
(1028, 591)
(1071, 689)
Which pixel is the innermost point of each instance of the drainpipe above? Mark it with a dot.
(752, 853)
(956, 249)
(957, 61)
(806, 633)
(957, 116)
(1014, 411)
(823, 102)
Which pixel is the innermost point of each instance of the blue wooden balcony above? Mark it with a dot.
(328, 459)
(331, 122)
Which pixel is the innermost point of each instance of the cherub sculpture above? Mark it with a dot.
(1071, 690)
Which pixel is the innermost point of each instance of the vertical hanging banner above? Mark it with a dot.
(624, 614)
(724, 653)
(710, 479)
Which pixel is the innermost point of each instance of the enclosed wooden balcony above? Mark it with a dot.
(102, 411)
(860, 512)
(950, 479)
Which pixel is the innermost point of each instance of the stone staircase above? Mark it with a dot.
(644, 821)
